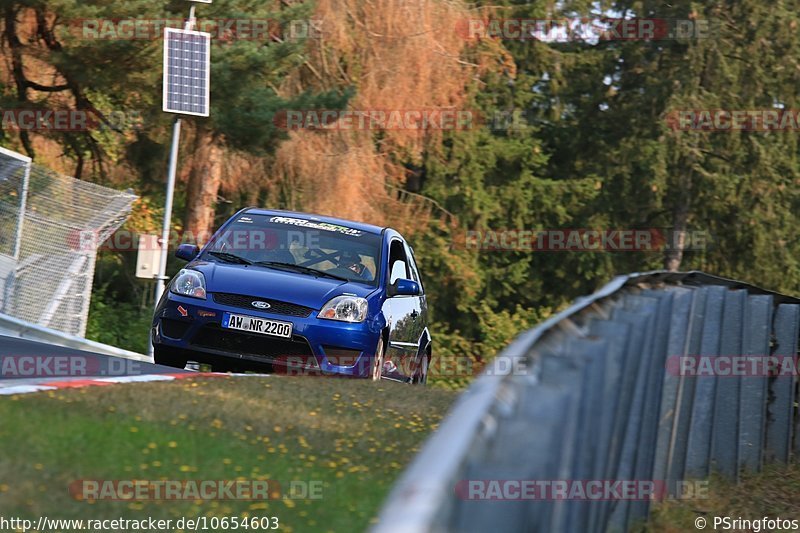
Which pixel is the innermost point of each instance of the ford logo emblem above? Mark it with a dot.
(260, 305)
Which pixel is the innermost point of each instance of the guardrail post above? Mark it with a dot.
(698, 453)
(677, 345)
(753, 407)
(781, 388)
(653, 378)
(725, 428)
(630, 414)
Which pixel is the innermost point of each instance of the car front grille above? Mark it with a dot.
(275, 306)
(270, 348)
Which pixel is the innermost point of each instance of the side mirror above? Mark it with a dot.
(403, 287)
(187, 252)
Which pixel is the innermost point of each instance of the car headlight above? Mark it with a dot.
(345, 308)
(189, 283)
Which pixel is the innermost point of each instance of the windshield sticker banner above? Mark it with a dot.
(325, 226)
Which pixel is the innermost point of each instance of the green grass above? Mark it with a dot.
(772, 493)
(353, 436)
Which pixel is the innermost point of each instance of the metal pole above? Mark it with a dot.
(162, 266)
(173, 164)
(22, 208)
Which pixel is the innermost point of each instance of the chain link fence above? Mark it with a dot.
(50, 228)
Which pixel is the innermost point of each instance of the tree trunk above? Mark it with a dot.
(676, 243)
(205, 177)
(18, 70)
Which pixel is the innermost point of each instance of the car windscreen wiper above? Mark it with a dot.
(231, 258)
(300, 268)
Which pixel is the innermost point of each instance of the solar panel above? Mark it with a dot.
(187, 72)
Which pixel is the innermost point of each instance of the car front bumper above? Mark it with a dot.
(317, 346)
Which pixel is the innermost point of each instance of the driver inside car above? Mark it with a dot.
(352, 261)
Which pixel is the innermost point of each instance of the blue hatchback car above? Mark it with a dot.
(300, 293)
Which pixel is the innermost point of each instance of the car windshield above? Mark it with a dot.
(299, 245)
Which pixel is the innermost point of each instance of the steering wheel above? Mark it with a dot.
(320, 257)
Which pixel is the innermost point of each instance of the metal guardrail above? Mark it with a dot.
(14, 327)
(587, 395)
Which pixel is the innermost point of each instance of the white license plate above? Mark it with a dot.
(254, 324)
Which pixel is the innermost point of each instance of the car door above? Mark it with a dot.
(421, 304)
(402, 314)
(420, 312)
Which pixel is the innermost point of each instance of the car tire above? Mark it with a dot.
(169, 357)
(377, 362)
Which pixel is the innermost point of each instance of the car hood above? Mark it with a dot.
(280, 285)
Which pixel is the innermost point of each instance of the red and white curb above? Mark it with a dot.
(93, 382)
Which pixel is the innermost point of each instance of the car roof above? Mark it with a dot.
(369, 228)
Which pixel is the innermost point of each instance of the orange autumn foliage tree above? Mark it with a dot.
(398, 57)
